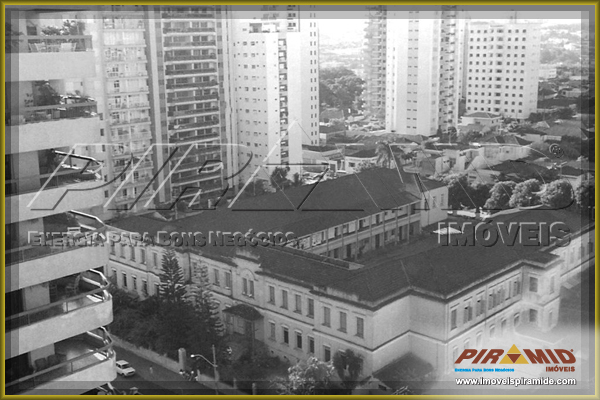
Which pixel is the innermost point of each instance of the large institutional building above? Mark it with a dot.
(57, 303)
(418, 299)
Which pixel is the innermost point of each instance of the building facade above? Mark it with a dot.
(424, 70)
(57, 303)
(275, 74)
(375, 62)
(502, 68)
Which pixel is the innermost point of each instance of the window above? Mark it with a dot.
(272, 294)
(157, 289)
(517, 287)
(326, 316)
(216, 277)
(503, 327)
(134, 281)
(155, 259)
(360, 327)
(298, 307)
(298, 340)
(533, 316)
(227, 280)
(479, 339)
(122, 251)
(112, 248)
(251, 294)
(311, 344)
(551, 285)
(453, 319)
(284, 299)
(311, 308)
(142, 256)
(145, 287)
(343, 322)
(286, 335)
(533, 284)
(245, 286)
(124, 280)
(327, 353)
(468, 313)
(272, 331)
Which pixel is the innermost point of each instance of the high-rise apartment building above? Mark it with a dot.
(424, 61)
(275, 77)
(502, 68)
(57, 302)
(375, 62)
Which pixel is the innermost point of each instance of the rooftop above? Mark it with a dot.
(504, 139)
(480, 114)
(366, 153)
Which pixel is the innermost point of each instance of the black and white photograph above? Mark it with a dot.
(299, 199)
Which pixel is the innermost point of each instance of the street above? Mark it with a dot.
(160, 382)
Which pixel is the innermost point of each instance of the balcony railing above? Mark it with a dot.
(54, 112)
(192, 98)
(127, 105)
(94, 348)
(173, 57)
(192, 85)
(187, 30)
(125, 24)
(176, 127)
(88, 225)
(126, 75)
(130, 121)
(66, 175)
(50, 44)
(186, 15)
(97, 292)
(191, 71)
(191, 43)
(190, 112)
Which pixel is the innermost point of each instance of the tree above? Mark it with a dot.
(348, 366)
(565, 113)
(458, 191)
(279, 177)
(363, 166)
(340, 87)
(172, 288)
(525, 194)
(207, 310)
(11, 43)
(500, 195)
(384, 155)
(310, 378)
(480, 192)
(584, 195)
(297, 180)
(558, 194)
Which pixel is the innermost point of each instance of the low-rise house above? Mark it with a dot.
(352, 161)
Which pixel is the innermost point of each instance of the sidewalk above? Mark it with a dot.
(162, 376)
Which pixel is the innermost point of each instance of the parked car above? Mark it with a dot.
(123, 368)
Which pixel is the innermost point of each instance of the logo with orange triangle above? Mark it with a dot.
(513, 356)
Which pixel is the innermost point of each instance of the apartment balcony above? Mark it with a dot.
(175, 127)
(197, 177)
(38, 58)
(46, 194)
(135, 166)
(173, 58)
(198, 111)
(192, 99)
(195, 138)
(125, 25)
(79, 364)
(84, 308)
(187, 15)
(121, 75)
(208, 43)
(192, 85)
(175, 31)
(197, 71)
(33, 264)
(129, 106)
(127, 90)
(38, 128)
(130, 121)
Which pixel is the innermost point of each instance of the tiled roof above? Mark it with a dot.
(366, 153)
(480, 114)
(504, 139)
(394, 375)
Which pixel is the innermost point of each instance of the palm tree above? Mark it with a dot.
(384, 154)
(349, 366)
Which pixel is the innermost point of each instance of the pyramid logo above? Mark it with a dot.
(513, 356)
